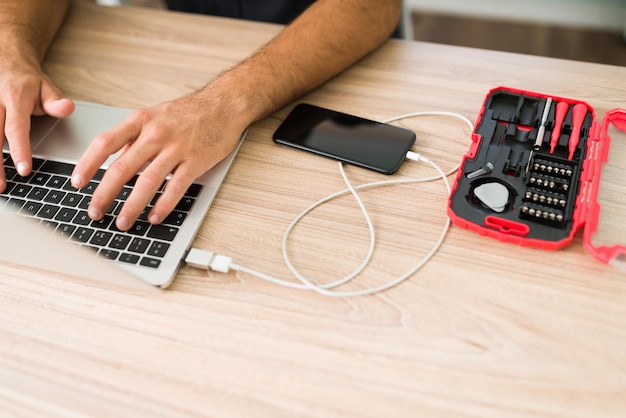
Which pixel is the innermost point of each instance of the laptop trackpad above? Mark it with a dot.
(39, 128)
(68, 138)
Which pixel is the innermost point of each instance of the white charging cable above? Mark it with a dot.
(220, 263)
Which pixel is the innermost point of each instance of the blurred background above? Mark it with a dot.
(584, 30)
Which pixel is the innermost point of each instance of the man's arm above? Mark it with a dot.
(189, 135)
(26, 29)
(28, 26)
(326, 39)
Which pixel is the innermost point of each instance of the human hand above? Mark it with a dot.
(184, 137)
(24, 91)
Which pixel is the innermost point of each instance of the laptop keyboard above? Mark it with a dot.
(47, 195)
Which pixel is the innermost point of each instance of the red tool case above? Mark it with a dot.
(532, 174)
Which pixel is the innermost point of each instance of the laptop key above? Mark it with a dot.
(175, 218)
(101, 238)
(158, 249)
(23, 179)
(48, 211)
(21, 190)
(118, 208)
(139, 245)
(9, 173)
(82, 218)
(103, 223)
(89, 188)
(37, 163)
(56, 182)
(71, 199)
(129, 258)
(66, 214)
(119, 242)
(8, 190)
(110, 254)
(124, 193)
(139, 228)
(54, 196)
(162, 232)
(31, 208)
(150, 262)
(57, 167)
(84, 203)
(185, 204)
(82, 234)
(68, 187)
(193, 190)
(66, 229)
(154, 199)
(39, 179)
(37, 193)
(143, 216)
(99, 174)
(113, 208)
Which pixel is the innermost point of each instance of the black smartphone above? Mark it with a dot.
(351, 139)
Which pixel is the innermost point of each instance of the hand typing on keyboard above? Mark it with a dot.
(180, 138)
(184, 137)
(24, 91)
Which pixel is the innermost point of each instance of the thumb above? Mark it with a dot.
(53, 103)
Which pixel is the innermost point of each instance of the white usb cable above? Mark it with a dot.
(210, 261)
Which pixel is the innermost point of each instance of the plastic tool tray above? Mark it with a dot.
(532, 173)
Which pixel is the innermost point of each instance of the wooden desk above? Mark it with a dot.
(485, 329)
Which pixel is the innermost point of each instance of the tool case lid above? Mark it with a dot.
(604, 197)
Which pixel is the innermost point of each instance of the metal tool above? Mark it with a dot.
(540, 133)
(542, 127)
(486, 169)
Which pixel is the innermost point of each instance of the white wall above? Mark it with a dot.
(110, 2)
(597, 14)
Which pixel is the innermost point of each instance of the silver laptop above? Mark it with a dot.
(46, 198)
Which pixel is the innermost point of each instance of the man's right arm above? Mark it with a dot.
(26, 29)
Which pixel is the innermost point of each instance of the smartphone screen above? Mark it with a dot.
(351, 139)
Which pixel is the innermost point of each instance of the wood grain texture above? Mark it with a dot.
(485, 329)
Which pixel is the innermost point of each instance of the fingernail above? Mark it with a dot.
(94, 213)
(76, 180)
(122, 223)
(154, 219)
(21, 168)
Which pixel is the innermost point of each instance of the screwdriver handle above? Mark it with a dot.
(578, 115)
(561, 111)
